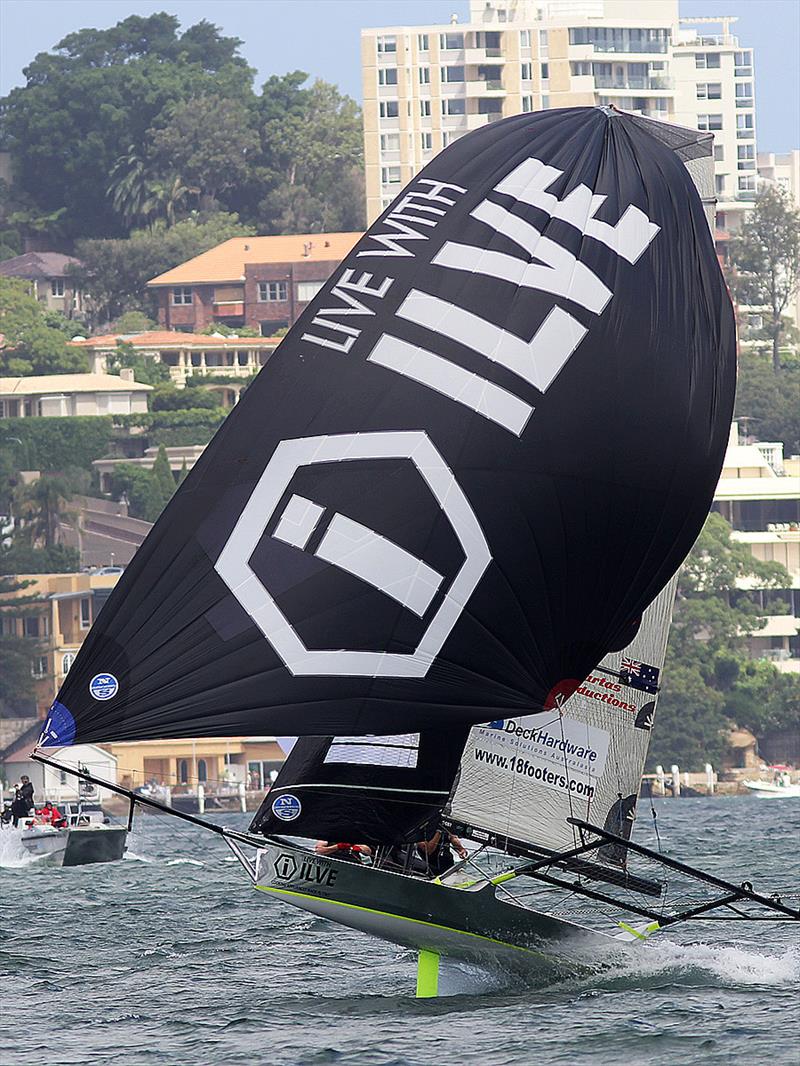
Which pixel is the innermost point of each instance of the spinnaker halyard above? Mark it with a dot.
(480, 454)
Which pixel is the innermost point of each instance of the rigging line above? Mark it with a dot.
(569, 779)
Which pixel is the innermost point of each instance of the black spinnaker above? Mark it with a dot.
(481, 452)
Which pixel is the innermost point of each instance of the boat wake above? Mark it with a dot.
(728, 964)
(13, 854)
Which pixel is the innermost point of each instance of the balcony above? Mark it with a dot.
(475, 122)
(480, 55)
(638, 48)
(638, 83)
(485, 88)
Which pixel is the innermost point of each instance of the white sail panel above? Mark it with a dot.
(523, 778)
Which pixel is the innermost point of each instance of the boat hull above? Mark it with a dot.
(471, 925)
(766, 790)
(77, 846)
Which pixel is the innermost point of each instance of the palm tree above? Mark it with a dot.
(129, 187)
(42, 506)
(167, 196)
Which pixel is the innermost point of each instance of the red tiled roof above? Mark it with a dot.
(166, 338)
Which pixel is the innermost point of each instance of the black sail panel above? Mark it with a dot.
(362, 790)
(480, 453)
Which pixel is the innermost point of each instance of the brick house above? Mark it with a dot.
(260, 282)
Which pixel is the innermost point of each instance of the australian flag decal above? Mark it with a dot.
(639, 675)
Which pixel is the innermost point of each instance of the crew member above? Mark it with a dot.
(23, 799)
(437, 851)
(348, 852)
(51, 815)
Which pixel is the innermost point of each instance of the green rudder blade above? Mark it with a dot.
(427, 975)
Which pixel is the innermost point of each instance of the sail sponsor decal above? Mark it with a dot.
(287, 807)
(558, 752)
(103, 686)
(604, 690)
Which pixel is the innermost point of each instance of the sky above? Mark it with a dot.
(322, 38)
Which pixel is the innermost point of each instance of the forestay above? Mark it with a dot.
(484, 448)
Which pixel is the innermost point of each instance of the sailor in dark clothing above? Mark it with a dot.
(23, 799)
(437, 851)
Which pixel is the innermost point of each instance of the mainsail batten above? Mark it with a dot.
(407, 521)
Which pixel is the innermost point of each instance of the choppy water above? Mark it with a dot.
(171, 957)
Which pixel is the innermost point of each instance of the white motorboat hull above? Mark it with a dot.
(75, 846)
(768, 790)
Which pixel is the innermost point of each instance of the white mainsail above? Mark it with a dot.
(522, 778)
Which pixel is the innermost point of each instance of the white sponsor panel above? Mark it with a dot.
(559, 752)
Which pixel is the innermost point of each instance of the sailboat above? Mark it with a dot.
(436, 540)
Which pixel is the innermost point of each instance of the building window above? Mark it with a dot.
(202, 771)
(86, 612)
(307, 290)
(452, 74)
(527, 103)
(427, 141)
(423, 42)
(743, 64)
(57, 287)
(744, 94)
(454, 106)
(425, 108)
(451, 41)
(746, 155)
(39, 666)
(580, 70)
(389, 109)
(524, 38)
(711, 90)
(386, 45)
(273, 291)
(543, 45)
(707, 61)
(67, 659)
(390, 142)
(719, 184)
(719, 153)
(32, 626)
(448, 136)
(545, 71)
(747, 183)
(526, 71)
(424, 75)
(182, 295)
(387, 76)
(183, 771)
(390, 176)
(709, 122)
(744, 127)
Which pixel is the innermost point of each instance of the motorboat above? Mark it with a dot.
(780, 787)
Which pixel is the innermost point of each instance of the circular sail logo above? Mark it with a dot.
(103, 686)
(286, 807)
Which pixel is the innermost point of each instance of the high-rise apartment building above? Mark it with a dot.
(425, 86)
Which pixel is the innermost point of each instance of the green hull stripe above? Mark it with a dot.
(427, 975)
(401, 917)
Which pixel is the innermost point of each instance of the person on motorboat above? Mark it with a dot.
(348, 852)
(23, 799)
(51, 815)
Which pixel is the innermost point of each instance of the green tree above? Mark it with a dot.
(24, 559)
(706, 654)
(42, 507)
(168, 398)
(770, 399)
(147, 371)
(765, 256)
(31, 345)
(90, 102)
(162, 473)
(140, 489)
(311, 158)
(16, 679)
(134, 322)
(207, 141)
